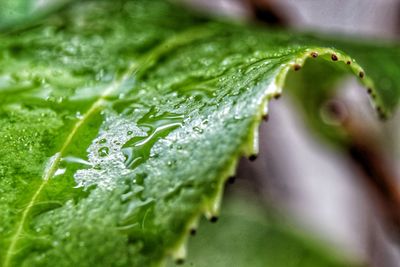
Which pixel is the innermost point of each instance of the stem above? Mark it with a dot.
(376, 170)
(264, 11)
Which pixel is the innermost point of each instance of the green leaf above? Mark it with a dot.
(120, 122)
(312, 88)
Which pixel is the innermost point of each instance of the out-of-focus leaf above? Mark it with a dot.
(16, 12)
(120, 122)
(248, 235)
(11, 10)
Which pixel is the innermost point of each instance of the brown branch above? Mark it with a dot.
(264, 11)
(376, 169)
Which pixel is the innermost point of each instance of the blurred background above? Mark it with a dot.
(317, 202)
(305, 202)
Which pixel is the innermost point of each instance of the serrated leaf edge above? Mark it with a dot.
(251, 146)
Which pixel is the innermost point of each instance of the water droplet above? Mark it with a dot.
(138, 148)
(78, 115)
(116, 142)
(103, 152)
(198, 130)
(97, 167)
(76, 160)
(60, 171)
(100, 75)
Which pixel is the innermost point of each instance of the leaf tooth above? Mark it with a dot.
(265, 117)
(212, 209)
(265, 107)
(251, 146)
(180, 261)
(277, 96)
(253, 157)
(314, 54)
(231, 170)
(214, 219)
(179, 251)
(231, 180)
(296, 67)
(256, 139)
(193, 225)
(179, 255)
(193, 231)
(210, 216)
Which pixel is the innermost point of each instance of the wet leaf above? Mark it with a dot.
(314, 90)
(121, 120)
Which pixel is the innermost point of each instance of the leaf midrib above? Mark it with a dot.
(53, 167)
(182, 38)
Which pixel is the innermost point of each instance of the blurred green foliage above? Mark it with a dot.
(249, 234)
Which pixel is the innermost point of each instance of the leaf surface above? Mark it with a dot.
(121, 120)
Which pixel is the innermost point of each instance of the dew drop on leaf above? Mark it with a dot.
(198, 130)
(103, 152)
